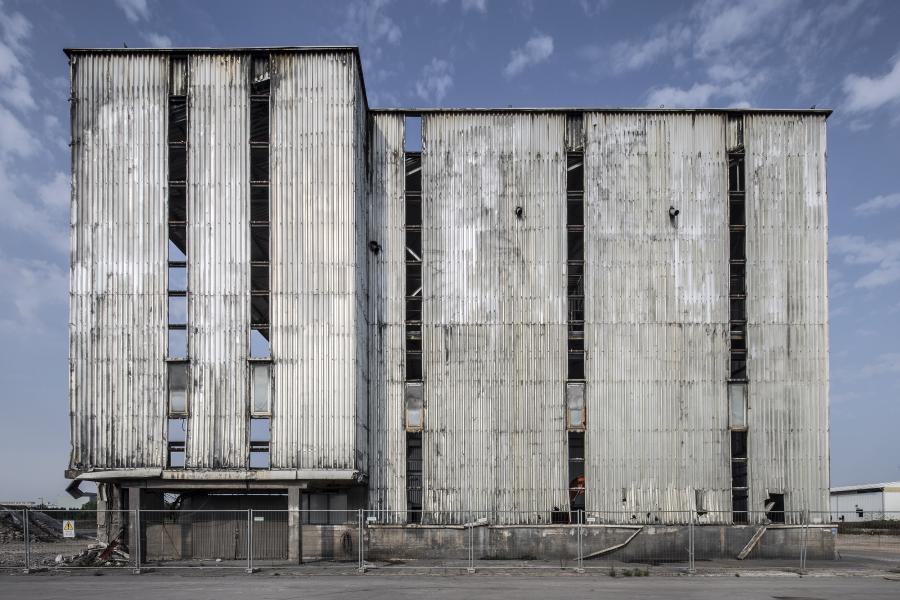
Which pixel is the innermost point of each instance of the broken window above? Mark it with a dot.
(576, 471)
(260, 233)
(414, 406)
(575, 270)
(414, 477)
(774, 506)
(738, 343)
(739, 488)
(260, 439)
(575, 405)
(176, 440)
(177, 284)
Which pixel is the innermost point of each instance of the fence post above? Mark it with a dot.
(471, 567)
(691, 566)
(804, 516)
(26, 534)
(137, 540)
(579, 560)
(361, 556)
(249, 540)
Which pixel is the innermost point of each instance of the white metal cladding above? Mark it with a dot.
(494, 315)
(117, 332)
(218, 254)
(656, 322)
(387, 436)
(318, 262)
(787, 309)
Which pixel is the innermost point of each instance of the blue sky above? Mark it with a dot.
(763, 53)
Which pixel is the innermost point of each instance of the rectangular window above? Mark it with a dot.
(261, 389)
(414, 477)
(178, 378)
(737, 403)
(575, 405)
(414, 406)
(176, 440)
(576, 472)
(260, 440)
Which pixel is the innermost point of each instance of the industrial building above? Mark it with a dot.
(866, 502)
(517, 314)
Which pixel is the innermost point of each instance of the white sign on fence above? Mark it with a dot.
(68, 529)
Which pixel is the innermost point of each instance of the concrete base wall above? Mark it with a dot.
(647, 544)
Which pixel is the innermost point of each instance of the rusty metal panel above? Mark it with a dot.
(656, 313)
(318, 265)
(117, 331)
(387, 439)
(218, 255)
(787, 309)
(494, 315)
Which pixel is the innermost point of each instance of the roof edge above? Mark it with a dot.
(826, 112)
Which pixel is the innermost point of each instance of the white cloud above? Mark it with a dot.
(158, 40)
(14, 28)
(135, 10)
(868, 93)
(725, 23)
(55, 193)
(31, 287)
(593, 8)
(436, 81)
(627, 56)
(878, 204)
(477, 5)
(368, 21)
(671, 97)
(536, 50)
(883, 255)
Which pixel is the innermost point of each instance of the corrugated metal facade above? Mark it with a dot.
(787, 309)
(387, 437)
(118, 272)
(656, 303)
(494, 284)
(318, 242)
(218, 222)
(494, 314)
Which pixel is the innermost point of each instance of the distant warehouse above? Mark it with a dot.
(867, 502)
(516, 314)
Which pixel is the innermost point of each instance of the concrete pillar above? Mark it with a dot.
(136, 502)
(110, 518)
(295, 535)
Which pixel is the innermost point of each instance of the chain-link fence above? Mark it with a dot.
(612, 543)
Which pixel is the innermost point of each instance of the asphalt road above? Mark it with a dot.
(435, 587)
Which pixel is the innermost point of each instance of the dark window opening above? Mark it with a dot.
(575, 366)
(259, 243)
(413, 173)
(177, 163)
(414, 245)
(259, 278)
(575, 244)
(413, 338)
(576, 472)
(414, 366)
(736, 213)
(775, 508)
(738, 309)
(575, 172)
(413, 279)
(259, 309)
(414, 309)
(178, 119)
(259, 121)
(260, 440)
(260, 88)
(739, 506)
(739, 365)
(177, 203)
(413, 211)
(576, 309)
(736, 173)
(259, 164)
(414, 477)
(259, 203)
(576, 344)
(178, 385)
(738, 281)
(575, 212)
(737, 244)
(177, 243)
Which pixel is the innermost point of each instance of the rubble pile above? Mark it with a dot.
(42, 527)
(95, 555)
